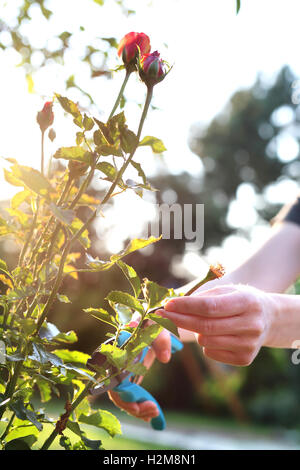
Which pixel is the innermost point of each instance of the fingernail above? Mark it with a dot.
(165, 356)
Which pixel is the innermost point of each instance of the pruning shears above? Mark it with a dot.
(124, 383)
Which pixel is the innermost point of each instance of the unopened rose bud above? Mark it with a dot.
(52, 134)
(152, 69)
(131, 46)
(45, 117)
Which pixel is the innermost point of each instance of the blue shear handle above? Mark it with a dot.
(131, 392)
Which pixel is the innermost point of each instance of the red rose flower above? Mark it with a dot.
(45, 117)
(152, 69)
(131, 44)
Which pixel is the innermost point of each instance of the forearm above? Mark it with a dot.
(273, 268)
(285, 323)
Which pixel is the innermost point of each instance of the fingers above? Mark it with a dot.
(227, 343)
(221, 305)
(207, 326)
(162, 346)
(146, 410)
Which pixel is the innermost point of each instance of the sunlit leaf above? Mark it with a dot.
(145, 337)
(154, 293)
(75, 153)
(165, 323)
(118, 297)
(32, 179)
(157, 145)
(71, 108)
(104, 420)
(101, 315)
(132, 277)
(115, 355)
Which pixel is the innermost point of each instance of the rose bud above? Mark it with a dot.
(45, 117)
(131, 46)
(152, 69)
(52, 134)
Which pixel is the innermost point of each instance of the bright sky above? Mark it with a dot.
(214, 52)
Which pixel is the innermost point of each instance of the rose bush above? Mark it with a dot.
(44, 221)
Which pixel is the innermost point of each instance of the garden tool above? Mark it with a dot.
(124, 383)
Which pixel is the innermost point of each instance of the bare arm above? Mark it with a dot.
(273, 268)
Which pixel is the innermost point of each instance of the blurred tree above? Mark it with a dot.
(26, 15)
(255, 140)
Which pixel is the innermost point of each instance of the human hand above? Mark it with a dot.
(231, 322)
(161, 350)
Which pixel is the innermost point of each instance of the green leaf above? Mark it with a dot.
(92, 444)
(71, 108)
(66, 216)
(26, 429)
(48, 331)
(118, 297)
(137, 244)
(154, 293)
(18, 198)
(137, 368)
(45, 389)
(72, 356)
(238, 6)
(101, 315)
(84, 237)
(129, 140)
(11, 179)
(108, 169)
(39, 354)
(146, 336)
(33, 179)
(116, 356)
(157, 145)
(79, 138)
(165, 323)
(132, 277)
(23, 443)
(69, 337)
(134, 245)
(65, 442)
(99, 138)
(88, 123)
(109, 149)
(124, 313)
(24, 413)
(140, 171)
(15, 357)
(75, 153)
(63, 298)
(104, 420)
